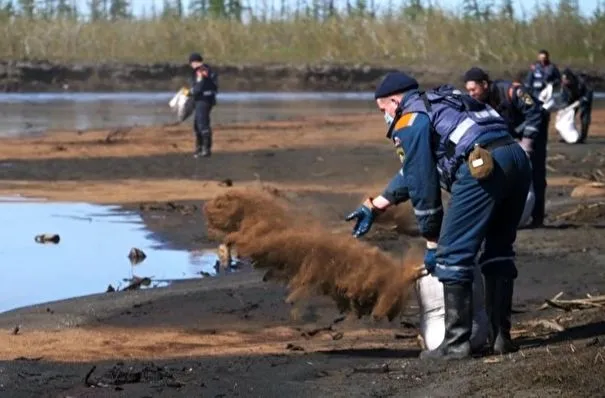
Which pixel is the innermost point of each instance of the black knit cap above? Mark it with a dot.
(195, 57)
(476, 75)
(395, 83)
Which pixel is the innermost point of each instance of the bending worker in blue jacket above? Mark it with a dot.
(576, 88)
(446, 138)
(527, 122)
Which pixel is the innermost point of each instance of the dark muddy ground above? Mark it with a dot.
(47, 358)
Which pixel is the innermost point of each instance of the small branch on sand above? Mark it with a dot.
(578, 210)
(547, 324)
(574, 304)
(114, 134)
(89, 382)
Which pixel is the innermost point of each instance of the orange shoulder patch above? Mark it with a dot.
(405, 120)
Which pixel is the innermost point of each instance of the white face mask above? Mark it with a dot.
(388, 119)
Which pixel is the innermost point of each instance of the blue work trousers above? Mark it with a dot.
(201, 119)
(538, 162)
(486, 211)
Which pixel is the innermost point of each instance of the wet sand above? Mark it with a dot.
(234, 335)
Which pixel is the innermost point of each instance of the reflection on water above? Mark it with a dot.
(92, 252)
(30, 114)
(26, 114)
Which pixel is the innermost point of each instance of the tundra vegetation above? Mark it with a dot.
(391, 32)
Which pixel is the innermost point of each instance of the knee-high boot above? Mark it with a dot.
(207, 144)
(499, 303)
(458, 323)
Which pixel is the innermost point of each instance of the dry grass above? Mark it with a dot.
(441, 39)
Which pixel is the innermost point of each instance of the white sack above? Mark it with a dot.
(182, 104)
(552, 100)
(429, 292)
(565, 124)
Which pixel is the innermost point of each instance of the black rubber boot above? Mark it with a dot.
(458, 324)
(537, 218)
(198, 146)
(583, 134)
(207, 144)
(499, 304)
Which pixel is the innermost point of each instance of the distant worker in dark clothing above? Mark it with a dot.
(542, 73)
(527, 122)
(204, 87)
(576, 88)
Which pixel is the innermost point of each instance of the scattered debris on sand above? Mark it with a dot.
(134, 284)
(137, 282)
(169, 207)
(591, 189)
(121, 374)
(584, 213)
(574, 304)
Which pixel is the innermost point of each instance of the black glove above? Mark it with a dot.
(365, 215)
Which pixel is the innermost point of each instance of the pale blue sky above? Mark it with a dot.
(586, 6)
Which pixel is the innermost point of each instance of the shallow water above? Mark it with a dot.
(92, 252)
(25, 114)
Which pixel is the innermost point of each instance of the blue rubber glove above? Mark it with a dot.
(430, 257)
(365, 215)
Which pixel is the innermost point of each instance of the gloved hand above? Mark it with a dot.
(430, 256)
(527, 145)
(365, 215)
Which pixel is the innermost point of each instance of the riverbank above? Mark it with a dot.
(44, 76)
(234, 334)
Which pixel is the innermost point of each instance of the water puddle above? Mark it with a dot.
(33, 114)
(92, 252)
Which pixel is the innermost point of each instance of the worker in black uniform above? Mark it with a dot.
(576, 88)
(541, 73)
(527, 122)
(204, 87)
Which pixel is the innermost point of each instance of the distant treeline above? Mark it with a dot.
(387, 32)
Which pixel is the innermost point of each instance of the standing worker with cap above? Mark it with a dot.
(447, 138)
(204, 87)
(527, 122)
